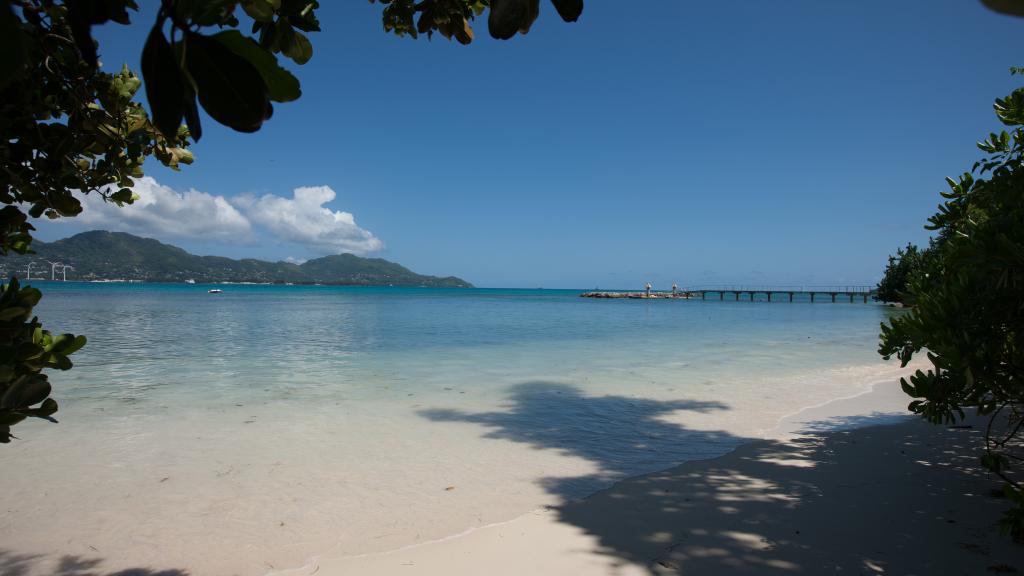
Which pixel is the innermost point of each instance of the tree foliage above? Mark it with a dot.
(969, 306)
(909, 265)
(453, 18)
(70, 128)
(893, 285)
(25, 350)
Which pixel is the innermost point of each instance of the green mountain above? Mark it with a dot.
(101, 255)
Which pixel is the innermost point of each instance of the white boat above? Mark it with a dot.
(215, 290)
(190, 281)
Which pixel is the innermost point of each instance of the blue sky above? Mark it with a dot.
(795, 141)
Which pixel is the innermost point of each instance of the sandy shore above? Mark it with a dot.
(824, 490)
(903, 498)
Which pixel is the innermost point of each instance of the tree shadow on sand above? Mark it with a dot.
(877, 500)
(13, 564)
(623, 436)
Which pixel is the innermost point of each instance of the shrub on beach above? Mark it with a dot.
(905, 264)
(968, 312)
(25, 350)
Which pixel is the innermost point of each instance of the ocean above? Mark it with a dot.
(248, 431)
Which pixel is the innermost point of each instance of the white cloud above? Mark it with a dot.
(304, 219)
(163, 212)
(294, 260)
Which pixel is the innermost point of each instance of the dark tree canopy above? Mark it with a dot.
(893, 285)
(968, 312)
(453, 18)
(909, 266)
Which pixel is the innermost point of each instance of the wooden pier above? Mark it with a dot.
(737, 293)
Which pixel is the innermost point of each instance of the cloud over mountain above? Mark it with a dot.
(304, 219)
(163, 212)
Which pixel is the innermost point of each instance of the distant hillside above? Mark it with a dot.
(100, 255)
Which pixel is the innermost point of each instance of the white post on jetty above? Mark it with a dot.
(53, 269)
(648, 289)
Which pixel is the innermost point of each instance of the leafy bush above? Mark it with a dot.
(25, 350)
(893, 286)
(908, 265)
(71, 129)
(969, 306)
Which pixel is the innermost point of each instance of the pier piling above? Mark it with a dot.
(770, 292)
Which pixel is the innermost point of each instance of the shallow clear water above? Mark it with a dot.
(152, 344)
(289, 419)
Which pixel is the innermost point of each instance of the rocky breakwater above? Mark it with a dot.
(639, 295)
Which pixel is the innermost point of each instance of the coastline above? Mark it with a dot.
(402, 438)
(575, 537)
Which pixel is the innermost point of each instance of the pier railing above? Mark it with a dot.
(834, 291)
(798, 288)
(777, 292)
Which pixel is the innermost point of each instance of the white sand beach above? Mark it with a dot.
(808, 498)
(898, 498)
(229, 459)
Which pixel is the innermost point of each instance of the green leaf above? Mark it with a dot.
(12, 313)
(12, 46)
(9, 419)
(282, 86)
(569, 10)
(259, 10)
(165, 89)
(229, 87)
(25, 392)
(191, 111)
(68, 343)
(81, 15)
(510, 16)
(1010, 7)
(206, 12)
(29, 296)
(300, 49)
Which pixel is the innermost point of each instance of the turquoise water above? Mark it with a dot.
(150, 341)
(280, 422)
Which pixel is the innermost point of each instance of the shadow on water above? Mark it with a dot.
(12, 564)
(769, 507)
